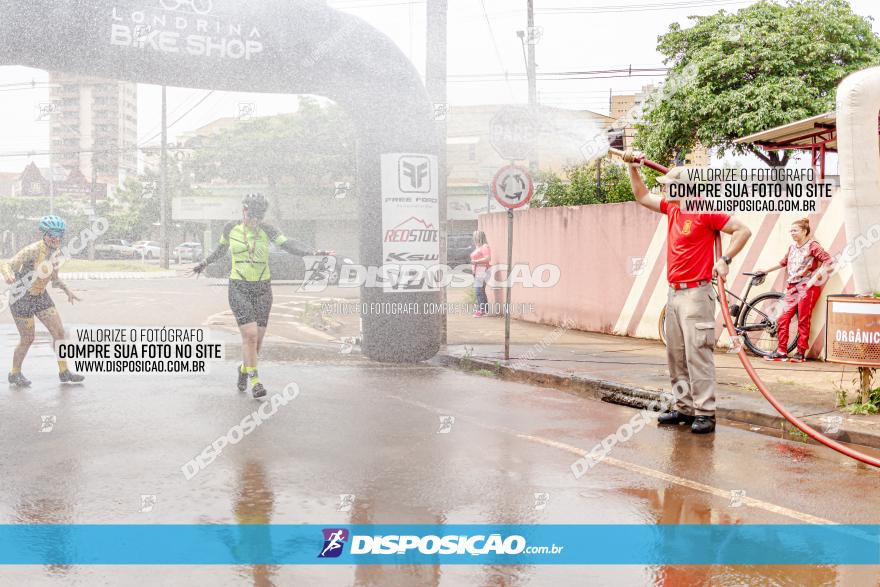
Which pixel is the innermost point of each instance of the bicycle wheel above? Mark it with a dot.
(661, 325)
(757, 324)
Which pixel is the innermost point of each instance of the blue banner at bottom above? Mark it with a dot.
(273, 544)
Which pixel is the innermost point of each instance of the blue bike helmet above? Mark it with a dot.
(53, 225)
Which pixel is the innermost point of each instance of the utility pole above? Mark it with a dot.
(435, 84)
(92, 199)
(531, 38)
(163, 189)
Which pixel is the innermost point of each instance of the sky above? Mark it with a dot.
(585, 35)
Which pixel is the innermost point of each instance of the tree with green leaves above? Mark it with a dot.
(310, 148)
(734, 74)
(582, 187)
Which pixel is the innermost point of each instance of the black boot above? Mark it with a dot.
(703, 425)
(674, 418)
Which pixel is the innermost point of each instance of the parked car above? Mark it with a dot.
(147, 249)
(115, 249)
(458, 249)
(188, 252)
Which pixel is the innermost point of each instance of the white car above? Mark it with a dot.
(188, 252)
(147, 249)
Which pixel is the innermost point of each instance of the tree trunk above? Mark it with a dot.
(865, 378)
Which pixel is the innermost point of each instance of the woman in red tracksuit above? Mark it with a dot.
(804, 263)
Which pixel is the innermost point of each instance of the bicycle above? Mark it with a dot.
(754, 320)
(197, 6)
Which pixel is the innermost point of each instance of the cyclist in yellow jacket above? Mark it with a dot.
(29, 272)
(250, 288)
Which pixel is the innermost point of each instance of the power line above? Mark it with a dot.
(639, 7)
(153, 128)
(181, 117)
(495, 45)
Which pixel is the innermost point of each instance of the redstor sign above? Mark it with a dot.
(412, 230)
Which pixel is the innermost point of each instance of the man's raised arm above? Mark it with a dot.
(640, 190)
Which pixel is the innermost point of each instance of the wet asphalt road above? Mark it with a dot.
(372, 431)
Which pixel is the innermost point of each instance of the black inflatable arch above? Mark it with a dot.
(282, 46)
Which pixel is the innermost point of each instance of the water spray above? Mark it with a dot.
(629, 157)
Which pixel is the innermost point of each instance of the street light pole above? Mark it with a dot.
(531, 70)
(163, 190)
(435, 82)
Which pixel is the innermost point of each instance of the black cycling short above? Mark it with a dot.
(28, 305)
(250, 301)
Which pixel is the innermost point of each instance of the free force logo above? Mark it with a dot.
(414, 174)
(334, 541)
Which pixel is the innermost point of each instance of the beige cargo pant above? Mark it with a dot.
(690, 344)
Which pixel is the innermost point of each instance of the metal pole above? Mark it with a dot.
(92, 198)
(435, 83)
(533, 81)
(507, 285)
(163, 190)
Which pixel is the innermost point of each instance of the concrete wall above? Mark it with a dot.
(612, 260)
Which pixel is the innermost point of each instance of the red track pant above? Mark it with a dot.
(802, 299)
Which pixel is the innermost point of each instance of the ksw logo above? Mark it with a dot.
(409, 257)
(414, 174)
(334, 541)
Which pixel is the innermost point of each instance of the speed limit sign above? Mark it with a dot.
(512, 186)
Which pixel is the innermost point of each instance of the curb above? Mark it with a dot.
(104, 275)
(636, 397)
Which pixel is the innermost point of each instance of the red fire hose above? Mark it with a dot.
(747, 364)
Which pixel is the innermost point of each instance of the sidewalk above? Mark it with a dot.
(632, 371)
(92, 275)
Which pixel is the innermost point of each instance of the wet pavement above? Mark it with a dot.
(382, 434)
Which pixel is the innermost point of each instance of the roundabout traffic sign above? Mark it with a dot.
(512, 186)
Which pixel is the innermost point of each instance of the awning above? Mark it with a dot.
(807, 134)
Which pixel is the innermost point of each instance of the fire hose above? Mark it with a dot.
(629, 157)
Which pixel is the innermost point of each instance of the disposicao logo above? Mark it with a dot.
(334, 541)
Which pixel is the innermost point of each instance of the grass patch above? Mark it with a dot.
(870, 406)
(108, 266)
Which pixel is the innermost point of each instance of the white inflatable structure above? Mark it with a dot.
(858, 148)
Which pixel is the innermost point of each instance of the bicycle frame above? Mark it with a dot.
(744, 301)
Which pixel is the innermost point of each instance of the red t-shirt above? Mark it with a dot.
(690, 243)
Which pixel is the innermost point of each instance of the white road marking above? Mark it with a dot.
(640, 469)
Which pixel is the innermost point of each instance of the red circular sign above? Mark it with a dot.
(512, 186)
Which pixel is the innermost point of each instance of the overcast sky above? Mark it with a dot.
(577, 36)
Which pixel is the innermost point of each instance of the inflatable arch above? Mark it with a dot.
(279, 46)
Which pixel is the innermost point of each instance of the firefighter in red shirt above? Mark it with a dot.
(690, 308)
